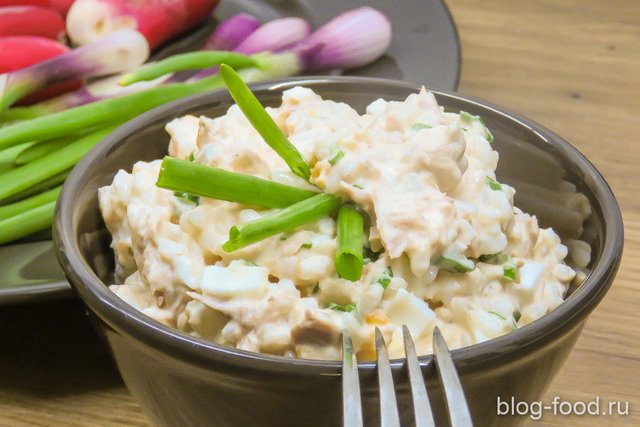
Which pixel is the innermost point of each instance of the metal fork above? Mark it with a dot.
(454, 396)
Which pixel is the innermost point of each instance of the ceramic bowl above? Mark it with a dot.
(183, 381)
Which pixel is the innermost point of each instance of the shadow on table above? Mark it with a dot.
(51, 349)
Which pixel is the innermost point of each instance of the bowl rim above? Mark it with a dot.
(127, 320)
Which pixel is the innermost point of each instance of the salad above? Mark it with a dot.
(340, 221)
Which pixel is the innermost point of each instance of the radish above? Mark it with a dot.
(270, 37)
(231, 32)
(31, 21)
(61, 6)
(121, 51)
(22, 51)
(157, 20)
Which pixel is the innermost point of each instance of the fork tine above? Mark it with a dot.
(421, 404)
(388, 406)
(351, 405)
(455, 399)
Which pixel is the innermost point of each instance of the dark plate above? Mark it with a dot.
(425, 50)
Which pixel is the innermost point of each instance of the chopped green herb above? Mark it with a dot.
(316, 289)
(493, 184)
(249, 263)
(495, 259)
(192, 156)
(517, 316)
(349, 258)
(455, 265)
(467, 117)
(511, 272)
(284, 236)
(336, 158)
(385, 278)
(514, 325)
(347, 308)
(301, 213)
(498, 314)
(419, 126)
(470, 119)
(188, 197)
(358, 186)
(307, 245)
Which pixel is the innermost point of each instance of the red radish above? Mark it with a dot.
(121, 51)
(61, 6)
(22, 51)
(157, 20)
(31, 21)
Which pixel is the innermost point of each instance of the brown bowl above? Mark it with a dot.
(180, 380)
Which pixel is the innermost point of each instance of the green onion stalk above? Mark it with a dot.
(192, 178)
(263, 123)
(27, 222)
(301, 213)
(350, 238)
(48, 166)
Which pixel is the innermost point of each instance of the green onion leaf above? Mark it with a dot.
(187, 61)
(25, 177)
(493, 184)
(293, 216)
(471, 120)
(495, 259)
(92, 116)
(498, 314)
(29, 203)
(419, 126)
(27, 222)
(336, 158)
(347, 308)
(358, 186)
(200, 180)
(511, 272)
(263, 123)
(350, 237)
(517, 315)
(307, 245)
(455, 264)
(385, 279)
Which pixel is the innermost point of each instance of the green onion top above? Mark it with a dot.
(511, 272)
(493, 184)
(350, 237)
(455, 264)
(347, 308)
(293, 216)
(419, 126)
(384, 279)
(498, 315)
(470, 120)
(496, 259)
(193, 178)
(187, 61)
(263, 123)
(335, 159)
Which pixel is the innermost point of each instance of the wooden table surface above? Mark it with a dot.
(573, 66)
